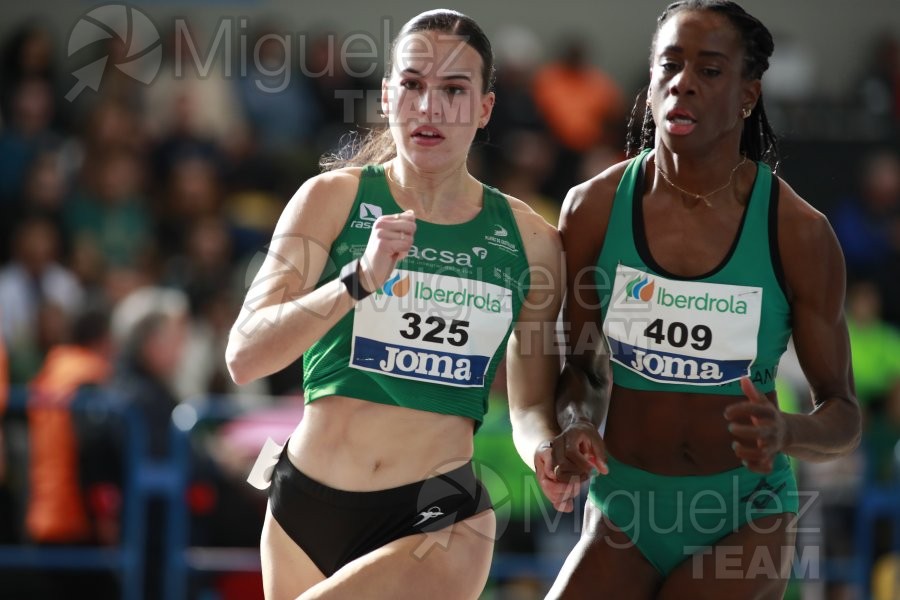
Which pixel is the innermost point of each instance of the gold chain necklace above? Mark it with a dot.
(703, 197)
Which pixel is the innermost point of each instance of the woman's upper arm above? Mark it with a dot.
(543, 250)
(532, 356)
(582, 226)
(298, 252)
(816, 278)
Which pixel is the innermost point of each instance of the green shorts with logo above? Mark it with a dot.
(669, 518)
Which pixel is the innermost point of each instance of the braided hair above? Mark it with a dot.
(758, 140)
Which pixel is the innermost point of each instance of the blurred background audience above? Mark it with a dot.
(131, 222)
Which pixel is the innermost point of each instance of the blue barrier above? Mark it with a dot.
(127, 559)
(169, 479)
(877, 500)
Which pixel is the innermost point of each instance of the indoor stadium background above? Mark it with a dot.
(149, 147)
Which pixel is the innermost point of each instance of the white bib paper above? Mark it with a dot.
(427, 327)
(260, 475)
(687, 332)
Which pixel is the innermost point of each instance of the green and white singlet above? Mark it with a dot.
(432, 336)
(693, 334)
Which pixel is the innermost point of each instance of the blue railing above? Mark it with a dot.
(169, 479)
(878, 500)
(127, 558)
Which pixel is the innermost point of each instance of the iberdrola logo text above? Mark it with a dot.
(705, 302)
(642, 288)
(458, 297)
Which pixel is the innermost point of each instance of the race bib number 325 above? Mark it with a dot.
(688, 332)
(428, 327)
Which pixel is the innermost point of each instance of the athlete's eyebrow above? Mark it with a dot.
(449, 76)
(705, 53)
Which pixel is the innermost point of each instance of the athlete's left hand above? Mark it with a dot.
(561, 489)
(758, 428)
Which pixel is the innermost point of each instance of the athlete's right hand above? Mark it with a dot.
(390, 241)
(562, 464)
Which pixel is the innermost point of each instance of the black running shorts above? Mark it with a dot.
(334, 527)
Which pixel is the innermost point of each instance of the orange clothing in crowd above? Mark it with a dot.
(577, 103)
(56, 507)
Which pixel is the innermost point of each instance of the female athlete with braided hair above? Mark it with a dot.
(704, 264)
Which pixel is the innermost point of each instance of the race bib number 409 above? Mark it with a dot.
(688, 332)
(429, 327)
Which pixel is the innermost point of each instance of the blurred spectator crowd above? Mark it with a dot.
(132, 219)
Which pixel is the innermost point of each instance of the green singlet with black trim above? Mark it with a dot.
(431, 338)
(693, 334)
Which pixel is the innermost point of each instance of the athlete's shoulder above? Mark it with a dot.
(595, 193)
(806, 223)
(587, 208)
(811, 255)
(322, 201)
(325, 190)
(338, 181)
(529, 221)
(805, 238)
(544, 250)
